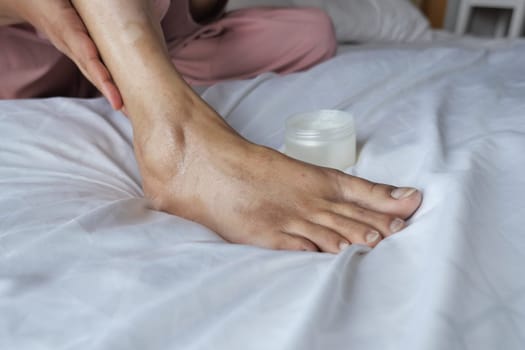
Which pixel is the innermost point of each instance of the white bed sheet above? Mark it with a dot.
(85, 264)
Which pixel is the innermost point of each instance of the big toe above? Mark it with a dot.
(399, 201)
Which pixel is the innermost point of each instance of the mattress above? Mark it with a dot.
(85, 263)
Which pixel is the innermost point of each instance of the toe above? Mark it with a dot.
(400, 202)
(354, 231)
(293, 242)
(284, 241)
(328, 240)
(386, 224)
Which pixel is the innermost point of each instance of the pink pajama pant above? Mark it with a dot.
(237, 45)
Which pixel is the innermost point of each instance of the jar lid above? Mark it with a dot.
(322, 124)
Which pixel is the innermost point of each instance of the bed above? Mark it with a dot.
(85, 263)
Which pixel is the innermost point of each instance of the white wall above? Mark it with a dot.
(452, 10)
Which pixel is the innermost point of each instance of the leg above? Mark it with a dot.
(256, 36)
(195, 166)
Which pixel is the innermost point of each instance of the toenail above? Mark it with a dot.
(397, 225)
(372, 237)
(400, 193)
(343, 245)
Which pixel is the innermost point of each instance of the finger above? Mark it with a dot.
(89, 63)
(101, 78)
(112, 93)
(88, 60)
(72, 38)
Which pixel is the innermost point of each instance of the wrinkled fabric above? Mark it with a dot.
(365, 21)
(238, 45)
(249, 42)
(85, 263)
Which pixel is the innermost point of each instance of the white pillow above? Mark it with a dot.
(362, 20)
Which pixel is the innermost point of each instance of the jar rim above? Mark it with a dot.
(320, 124)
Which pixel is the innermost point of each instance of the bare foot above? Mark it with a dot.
(250, 194)
(195, 166)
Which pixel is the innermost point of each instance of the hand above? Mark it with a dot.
(60, 22)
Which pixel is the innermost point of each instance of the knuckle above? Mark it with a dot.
(374, 187)
(335, 220)
(361, 213)
(329, 238)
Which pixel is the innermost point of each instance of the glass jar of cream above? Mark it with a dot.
(325, 138)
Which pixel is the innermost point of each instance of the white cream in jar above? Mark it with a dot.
(325, 138)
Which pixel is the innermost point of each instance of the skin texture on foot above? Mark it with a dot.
(196, 166)
(253, 195)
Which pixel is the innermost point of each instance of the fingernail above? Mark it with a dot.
(372, 237)
(397, 225)
(404, 192)
(343, 245)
